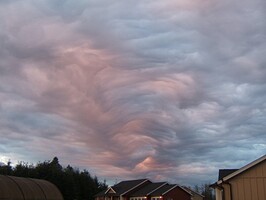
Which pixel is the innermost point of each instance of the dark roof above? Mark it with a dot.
(224, 172)
(144, 191)
(227, 174)
(246, 167)
(162, 190)
(192, 191)
(123, 187)
(26, 189)
(100, 194)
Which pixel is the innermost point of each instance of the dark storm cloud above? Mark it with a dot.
(167, 90)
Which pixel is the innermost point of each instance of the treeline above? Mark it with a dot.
(73, 183)
(205, 190)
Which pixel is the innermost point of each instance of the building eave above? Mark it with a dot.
(185, 190)
(246, 167)
(110, 188)
(174, 188)
(169, 190)
(192, 191)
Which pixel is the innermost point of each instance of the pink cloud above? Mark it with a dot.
(132, 91)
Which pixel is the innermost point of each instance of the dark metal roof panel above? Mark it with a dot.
(50, 190)
(9, 189)
(29, 188)
(18, 188)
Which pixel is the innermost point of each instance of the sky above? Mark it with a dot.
(167, 90)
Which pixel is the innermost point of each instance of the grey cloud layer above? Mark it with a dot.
(155, 89)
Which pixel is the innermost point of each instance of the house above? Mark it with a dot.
(122, 190)
(246, 183)
(195, 195)
(143, 189)
(19, 188)
(171, 192)
(145, 192)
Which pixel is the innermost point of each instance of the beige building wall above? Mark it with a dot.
(218, 194)
(197, 197)
(249, 185)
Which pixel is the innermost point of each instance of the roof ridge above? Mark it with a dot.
(174, 186)
(110, 188)
(163, 184)
(144, 180)
(191, 190)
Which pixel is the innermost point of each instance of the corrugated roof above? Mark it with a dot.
(50, 190)
(144, 191)
(9, 189)
(29, 189)
(19, 188)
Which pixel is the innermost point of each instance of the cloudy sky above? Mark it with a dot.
(168, 90)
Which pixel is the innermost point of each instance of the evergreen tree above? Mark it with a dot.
(72, 183)
(6, 169)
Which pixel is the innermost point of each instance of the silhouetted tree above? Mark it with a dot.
(205, 190)
(72, 183)
(23, 169)
(6, 169)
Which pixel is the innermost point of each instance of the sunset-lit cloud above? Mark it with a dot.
(166, 90)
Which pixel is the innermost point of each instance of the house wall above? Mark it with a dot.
(107, 198)
(227, 192)
(177, 194)
(218, 194)
(99, 198)
(116, 198)
(250, 185)
(197, 197)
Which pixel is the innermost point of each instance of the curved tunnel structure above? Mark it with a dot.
(18, 188)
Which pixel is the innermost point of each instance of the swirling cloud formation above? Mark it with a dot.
(168, 90)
